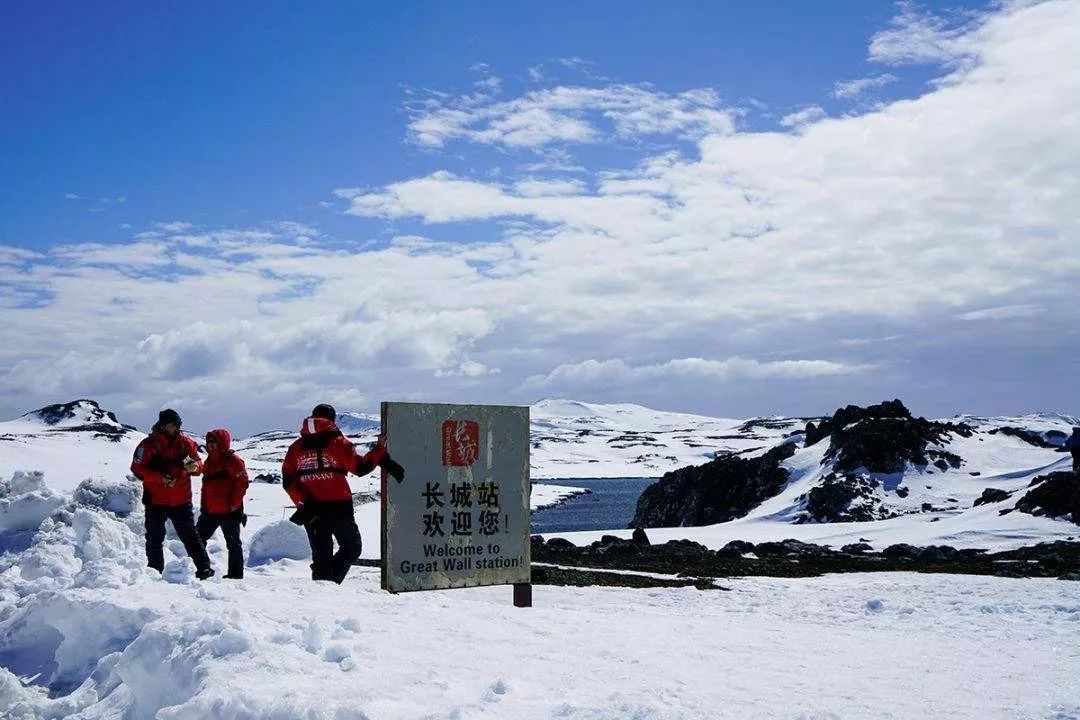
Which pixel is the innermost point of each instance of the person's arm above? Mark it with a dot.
(144, 464)
(379, 457)
(290, 479)
(239, 479)
(195, 467)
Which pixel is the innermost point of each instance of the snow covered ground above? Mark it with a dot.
(87, 632)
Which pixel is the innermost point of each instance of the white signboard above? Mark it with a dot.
(461, 517)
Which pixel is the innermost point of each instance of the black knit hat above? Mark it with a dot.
(322, 410)
(168, 415)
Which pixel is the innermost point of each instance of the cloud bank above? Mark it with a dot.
(900, 251)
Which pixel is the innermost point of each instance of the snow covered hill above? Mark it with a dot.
(932, 502)
(88, 633)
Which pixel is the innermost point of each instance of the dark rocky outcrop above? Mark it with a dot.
(792, 558)
(844, 498)
(1031, 437)
(723, 489)
(991, 495)
(94, 419)
(1053, 495)
(883, 437)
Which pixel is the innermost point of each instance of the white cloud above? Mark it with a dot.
(593, 373)
(569, 114)
(805, 116)
(1004, 312)
(689, 272)
(173, 226)
(859, 86)
(919, 36)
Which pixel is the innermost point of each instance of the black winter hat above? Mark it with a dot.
(168, 415)
(327, 412)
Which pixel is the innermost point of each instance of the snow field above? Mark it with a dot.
(87, 632)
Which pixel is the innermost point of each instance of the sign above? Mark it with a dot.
(461, 517)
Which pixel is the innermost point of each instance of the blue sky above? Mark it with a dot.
(227, 114)
(732, 208)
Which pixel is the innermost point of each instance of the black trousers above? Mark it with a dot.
(1076, 460)
(230, 527)
(182, 518)
(332, 521)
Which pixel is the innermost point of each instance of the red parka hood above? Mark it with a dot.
(313, 425)
(222, 437)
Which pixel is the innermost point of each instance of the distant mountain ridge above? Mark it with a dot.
(859, 467)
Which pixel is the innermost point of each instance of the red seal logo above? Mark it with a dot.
(460, 442)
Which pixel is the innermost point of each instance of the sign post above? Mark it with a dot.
(461, 518)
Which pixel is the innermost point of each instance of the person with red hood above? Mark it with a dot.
(225, 480)
(315, 475)
(165, 461)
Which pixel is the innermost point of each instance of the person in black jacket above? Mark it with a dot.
(1073, 445)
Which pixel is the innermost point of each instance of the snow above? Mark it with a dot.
(87, 632)
(276, 645)
(279, 540)
(25, 502)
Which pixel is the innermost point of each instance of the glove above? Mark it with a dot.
(240, 515)
(392, 468)
(301, 516)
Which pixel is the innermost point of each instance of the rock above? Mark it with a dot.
(902, 491)
(1029, 436)
(844, 498)
(938, 553)
(882, 438)
(723, 489)
(639, 536)
(901, 551)
(991, 495)
(557, 544)
(790, 547)
(684, 548)
(1053, 495)
(737, 548)
(856, 548)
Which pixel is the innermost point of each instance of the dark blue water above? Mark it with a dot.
(610, 505)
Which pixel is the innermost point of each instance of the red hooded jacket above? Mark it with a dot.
(225, 478)
(159, 455)
(317, 465)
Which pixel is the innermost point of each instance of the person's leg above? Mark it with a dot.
(319, 530)
(347, 535)
(155, 536)
(206, 526)
(183, 520)
(1076, 460)
(230, 528)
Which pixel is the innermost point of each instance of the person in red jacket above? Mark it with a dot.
(225, 481)
(165, 461)
(315, 475)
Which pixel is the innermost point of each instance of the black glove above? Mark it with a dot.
(301, 516)
(392, 468)
(240, 516)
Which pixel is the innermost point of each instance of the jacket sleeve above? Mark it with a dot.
(369, 461)
(193, 451)
(142, 464)
(238, 475)
(290, 479)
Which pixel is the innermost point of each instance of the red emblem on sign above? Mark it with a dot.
(460, 442)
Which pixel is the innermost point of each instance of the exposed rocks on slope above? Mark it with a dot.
(720, 490)
(1053, 495)
(882, 438)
